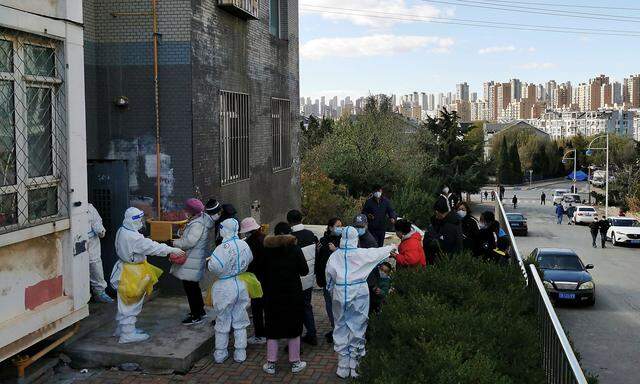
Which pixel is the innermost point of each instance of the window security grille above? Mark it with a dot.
(281, 133)
(234, 137)
(33, 145)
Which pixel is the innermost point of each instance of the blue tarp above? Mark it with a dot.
(580, 176)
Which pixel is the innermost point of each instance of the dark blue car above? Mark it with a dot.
(565, 277)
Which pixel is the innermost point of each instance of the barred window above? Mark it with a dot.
(234, 137)
(281, 133)
(33, 158)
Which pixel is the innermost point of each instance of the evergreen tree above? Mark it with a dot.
(504, 169)
(516, 165)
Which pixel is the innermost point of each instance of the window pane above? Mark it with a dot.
(39, 60)
(274, 17)
(8, 210)
(7, 135)
(43, 202)
(6, 56)
(39, 129)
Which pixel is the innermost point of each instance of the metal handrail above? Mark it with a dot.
(558, 358)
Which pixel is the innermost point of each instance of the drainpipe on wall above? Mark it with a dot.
(154, 14)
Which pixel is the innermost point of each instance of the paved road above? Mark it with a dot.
(608, 334)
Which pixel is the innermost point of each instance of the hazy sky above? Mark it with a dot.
(344, 51)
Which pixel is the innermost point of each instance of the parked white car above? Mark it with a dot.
(557, 195)
(584, 214)
(624, 230)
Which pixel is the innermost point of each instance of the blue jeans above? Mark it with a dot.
(307, 319)
(560, 219)
(328, 306)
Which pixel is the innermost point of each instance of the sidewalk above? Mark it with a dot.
(321, 366)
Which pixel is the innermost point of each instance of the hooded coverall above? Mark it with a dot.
(346, 273)
(230, 296)
(96, 273)
(133, 248)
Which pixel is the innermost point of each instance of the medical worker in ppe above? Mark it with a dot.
(96, 273)
(229, 294)
(346, 273)
(133, 248)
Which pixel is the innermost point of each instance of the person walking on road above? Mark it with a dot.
(559, 213)
(543, 199)
(570, 211)
(501, 189)
(594, 228)
(515, 201)
(603, 225)
(378, 208)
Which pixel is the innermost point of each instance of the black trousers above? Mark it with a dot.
(378, 234)
(594, 236)
(194, 296)
(257, 312)
(603, 238)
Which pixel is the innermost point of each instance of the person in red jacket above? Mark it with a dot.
(410, 252)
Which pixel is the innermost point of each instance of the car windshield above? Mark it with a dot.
(626, 223)
(562, 262)
(511, 216)
(560, 193)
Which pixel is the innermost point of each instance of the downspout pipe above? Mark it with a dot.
(154, 14)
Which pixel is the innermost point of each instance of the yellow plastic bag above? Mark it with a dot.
(136, 280)
(208, 298)
(254, 288)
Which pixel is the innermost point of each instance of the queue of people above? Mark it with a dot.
(274, 275)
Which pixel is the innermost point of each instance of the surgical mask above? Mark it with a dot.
(377, 195)
(361, 231)
(216, 216)
(337, 231)
(445, 190)
(462, 214)
(482, 225)
(383, 275)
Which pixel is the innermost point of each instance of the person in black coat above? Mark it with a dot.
(283, 265)
(604, 227)
(255, 238)
(448, 230)
(326, 246)
(594, 228)
(487, 235)
(379, 210)
(470, 227)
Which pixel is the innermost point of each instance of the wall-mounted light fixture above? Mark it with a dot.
(121, 102)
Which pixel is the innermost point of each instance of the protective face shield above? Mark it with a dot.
(133, 219)
(229, 229)
(377, 194)
(462, 213)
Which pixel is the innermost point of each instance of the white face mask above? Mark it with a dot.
(377, 195)
(482, 225)
(445, 191)
(462, 214)
(216, 216)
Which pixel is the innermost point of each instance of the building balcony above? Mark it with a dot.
(246, 9)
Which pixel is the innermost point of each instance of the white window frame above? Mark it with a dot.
(21, 81)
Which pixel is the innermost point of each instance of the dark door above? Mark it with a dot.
(109, 192)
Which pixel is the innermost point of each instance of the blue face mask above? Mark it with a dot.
(361, 231)
(337, 231)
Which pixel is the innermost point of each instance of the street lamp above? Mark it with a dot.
(565, 160)
(589, 153)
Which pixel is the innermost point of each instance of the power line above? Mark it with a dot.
(581, 6)
(572, 13)
(539, 11)
(491, 23)
(470, 23)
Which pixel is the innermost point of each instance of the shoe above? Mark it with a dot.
(240, 355)
(343, 373)
(255, 340)
(311, 340)
(118, 331)
(329, 337)
(269, 368)
(298, 366)
(133, 338)
(220, 356)
(102, 297)
(190, 320)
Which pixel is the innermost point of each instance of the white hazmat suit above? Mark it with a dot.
(133, 248)
(229, 295)
(96, 273)
(347, 270)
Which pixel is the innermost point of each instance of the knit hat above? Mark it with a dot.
(194, 206)
(249, 224)
(213, 207)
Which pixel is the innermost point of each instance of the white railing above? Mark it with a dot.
(558, 359)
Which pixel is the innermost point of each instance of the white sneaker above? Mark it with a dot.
(298, 366)
(269, 368)
(255, 340)
(133, 338)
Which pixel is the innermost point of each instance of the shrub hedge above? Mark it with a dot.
(461, 321)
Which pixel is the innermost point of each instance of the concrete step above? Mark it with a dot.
(172, 346)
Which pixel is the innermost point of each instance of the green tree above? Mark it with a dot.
(314, 133)
(516, 165)
(503, 165)
(458, 154)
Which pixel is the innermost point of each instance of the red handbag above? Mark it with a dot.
(178, 259)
